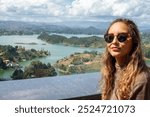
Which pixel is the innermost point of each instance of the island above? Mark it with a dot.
(79, 63)
(92, 41)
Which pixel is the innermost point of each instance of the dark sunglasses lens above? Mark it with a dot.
(122, 37)
(109, 38)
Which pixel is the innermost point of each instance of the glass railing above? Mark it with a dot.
(80, 86)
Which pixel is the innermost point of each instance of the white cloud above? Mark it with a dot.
(81, 7)
(109, 7)
(135, 9)
(37, 10)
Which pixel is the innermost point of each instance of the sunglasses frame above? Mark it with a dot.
(119, 38)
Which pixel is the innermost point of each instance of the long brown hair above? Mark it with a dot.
(135, 65)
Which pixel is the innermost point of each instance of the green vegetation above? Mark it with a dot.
(10, 56)
(17, 74)
(93, 41)
(146, 44)
(79, 63)
(145, 38)
(36, 69)
(75, 63)
(147, 52)
(2, 64)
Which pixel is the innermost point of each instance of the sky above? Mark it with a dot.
(75, 10)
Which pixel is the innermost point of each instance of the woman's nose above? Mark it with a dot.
(115, 40)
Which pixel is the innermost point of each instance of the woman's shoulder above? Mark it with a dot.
(141, 87)
(143, 77)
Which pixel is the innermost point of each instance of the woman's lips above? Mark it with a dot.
(115, 48)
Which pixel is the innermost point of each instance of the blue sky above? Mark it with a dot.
(75, 10)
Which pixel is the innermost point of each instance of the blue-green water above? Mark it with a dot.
(57, 51)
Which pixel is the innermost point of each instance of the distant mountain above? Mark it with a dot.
(16, 27)
(85, 24)
(145, 29)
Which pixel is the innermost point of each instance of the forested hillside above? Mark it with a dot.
(93, 41)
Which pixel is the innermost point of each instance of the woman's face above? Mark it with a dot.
(116, 48)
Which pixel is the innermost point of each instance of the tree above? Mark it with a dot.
(2, 64)
(39, 69)
(17, 74)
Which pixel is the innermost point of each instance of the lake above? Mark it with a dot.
(57, 51)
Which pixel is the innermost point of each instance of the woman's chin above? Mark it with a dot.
(116, 54)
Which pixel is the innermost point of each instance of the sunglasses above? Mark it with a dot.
(121, 37)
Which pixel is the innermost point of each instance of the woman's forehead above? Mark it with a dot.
(118, 27)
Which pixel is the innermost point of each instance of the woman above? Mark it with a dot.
(125, 75)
